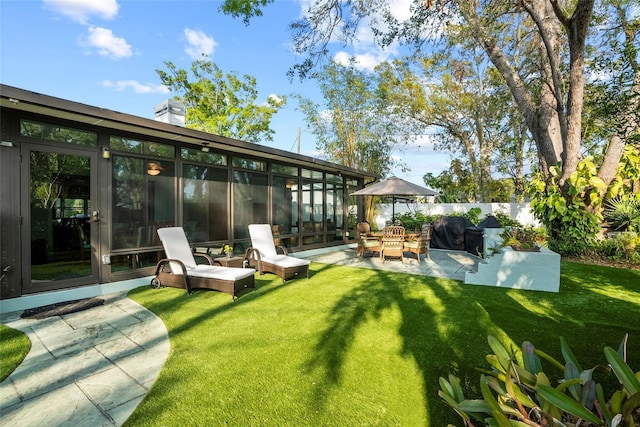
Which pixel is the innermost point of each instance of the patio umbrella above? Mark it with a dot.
(394, 187)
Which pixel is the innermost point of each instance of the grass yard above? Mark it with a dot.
(366, 347)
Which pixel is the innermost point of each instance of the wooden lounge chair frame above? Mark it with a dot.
(166, 275)
(275, 259)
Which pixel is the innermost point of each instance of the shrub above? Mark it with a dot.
(413, 221)
(505, 220)
(624, 212)
(516, 391)
(620, 247)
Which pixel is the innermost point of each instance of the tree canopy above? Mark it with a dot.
(562, 65)
(223, 104)
(354, 127)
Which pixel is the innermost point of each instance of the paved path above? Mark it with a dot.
(90, 368)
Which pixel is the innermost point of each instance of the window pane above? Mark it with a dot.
(203, 157)
(250, 164)
(284, 208)
(284, 170)
(142, 147)
(143, 200)
(249, 202)
(306, 173)
(58, 133)
(205, 203)
(335, 211)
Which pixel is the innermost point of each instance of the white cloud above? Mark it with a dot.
(81, 10)
(198, 43)
(365, 60)
(106, 43)
(122, 85)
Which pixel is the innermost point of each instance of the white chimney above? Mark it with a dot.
(172, 112)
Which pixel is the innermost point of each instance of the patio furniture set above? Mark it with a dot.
(180, 269)
(393, 241)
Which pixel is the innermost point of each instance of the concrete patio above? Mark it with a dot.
(443, 263)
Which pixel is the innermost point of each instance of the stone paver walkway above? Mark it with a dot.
(90, 368)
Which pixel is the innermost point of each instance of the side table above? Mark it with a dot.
(235, 261)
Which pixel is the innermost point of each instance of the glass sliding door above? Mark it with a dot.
(61, 214)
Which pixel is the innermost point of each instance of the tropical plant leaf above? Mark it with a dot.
(500, 352)
(567, 404)
(568, 354)
(622, 371)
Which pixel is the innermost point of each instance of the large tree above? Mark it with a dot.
(354, 127)
(549, 92)
(220, 103)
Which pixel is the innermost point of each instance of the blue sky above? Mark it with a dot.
(105, 52)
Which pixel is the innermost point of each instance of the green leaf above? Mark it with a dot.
(622, 371)
(568, 354)
(606, 413)
(476, 406)
(445, 386)
(565, 403)
(500, 352)
(622, 348)
(530, 358)
(632, 403)
(571, 373)
(617, 399)
(496, 411)
(549, 358)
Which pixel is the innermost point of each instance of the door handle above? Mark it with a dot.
(6, 270)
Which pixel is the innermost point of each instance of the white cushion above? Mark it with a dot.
(262, 239)
(286, 261)
(220, 273)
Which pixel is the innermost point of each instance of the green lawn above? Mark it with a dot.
(365, 347)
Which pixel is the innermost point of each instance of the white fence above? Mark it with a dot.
(518, 211)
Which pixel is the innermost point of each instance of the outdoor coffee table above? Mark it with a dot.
(236, 261)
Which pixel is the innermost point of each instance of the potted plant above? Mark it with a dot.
(228, 250)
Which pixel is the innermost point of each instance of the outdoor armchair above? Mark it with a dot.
(366, 242)
(420, 245)
(264, 255)
(392, 242)
(180, 270)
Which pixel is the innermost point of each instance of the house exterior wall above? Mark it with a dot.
(84, 190)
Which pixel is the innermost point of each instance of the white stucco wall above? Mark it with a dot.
(518, 211)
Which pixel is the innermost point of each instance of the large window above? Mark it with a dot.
(312, 209)
(335, 207)
(284, 208)
(143, 200)
(49, 132)
(205, 201)
(249, 201)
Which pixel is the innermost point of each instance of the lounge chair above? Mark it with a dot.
(263, 255)
(180, 270)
